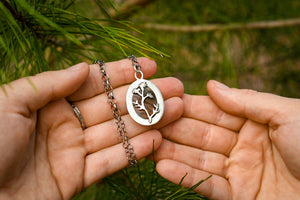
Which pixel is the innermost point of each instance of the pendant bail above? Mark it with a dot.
(136, 75)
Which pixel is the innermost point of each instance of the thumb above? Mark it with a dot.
(256, 106)
(32, 93)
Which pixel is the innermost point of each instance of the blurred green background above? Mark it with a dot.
(262, 59)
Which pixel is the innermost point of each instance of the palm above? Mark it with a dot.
(254, 163)
(61, 148)
(47, 157)
(244, 161)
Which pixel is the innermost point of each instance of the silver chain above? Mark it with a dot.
(137, 67)
(130, 155)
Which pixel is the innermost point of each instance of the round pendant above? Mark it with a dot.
(145, 103)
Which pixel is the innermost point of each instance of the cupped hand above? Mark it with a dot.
(248, 141)
(45, 154)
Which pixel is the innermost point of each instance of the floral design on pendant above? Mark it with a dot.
(145, 103)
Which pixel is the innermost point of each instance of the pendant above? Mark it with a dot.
(145, 103)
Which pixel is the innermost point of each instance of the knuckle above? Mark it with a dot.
(205, 136)
(219, 117)
(202, 161)
(247, 105)
(250, 92)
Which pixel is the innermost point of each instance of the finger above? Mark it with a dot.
(215, 187)
(203, 160)
(201, 135)
(204, 109)
(112, 159)
(257, 106)
(32, 93)
(120, 72)
(105, 134)
(96, 110)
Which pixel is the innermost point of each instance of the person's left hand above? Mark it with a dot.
(45, 154)
(248, 141)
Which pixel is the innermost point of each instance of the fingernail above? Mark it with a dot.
(221, 85)
(75, 67)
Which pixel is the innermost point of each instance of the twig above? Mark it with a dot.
(128, 8)
(216, 27)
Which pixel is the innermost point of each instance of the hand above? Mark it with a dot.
(249, 141)
(45, 154)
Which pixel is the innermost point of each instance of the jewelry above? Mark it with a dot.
(130, 155)
(79, 116)
(144, 100)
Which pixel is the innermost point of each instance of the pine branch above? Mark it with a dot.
(217, 27)
(39, 37)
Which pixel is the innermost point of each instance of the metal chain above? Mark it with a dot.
(130, 155)
(137, 67)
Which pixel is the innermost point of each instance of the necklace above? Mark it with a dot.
(130, 155)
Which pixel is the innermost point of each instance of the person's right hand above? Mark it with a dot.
(249, 141)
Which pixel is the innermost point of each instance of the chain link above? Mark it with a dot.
(137, 67)
(130, 155)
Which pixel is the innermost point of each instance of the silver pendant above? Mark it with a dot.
(145, 103)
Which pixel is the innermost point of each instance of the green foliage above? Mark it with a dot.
(36, 36)
(139, 183)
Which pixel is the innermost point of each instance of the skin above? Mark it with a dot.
(45, 154)
(248, 141)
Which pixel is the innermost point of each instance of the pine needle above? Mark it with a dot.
(45, 36)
